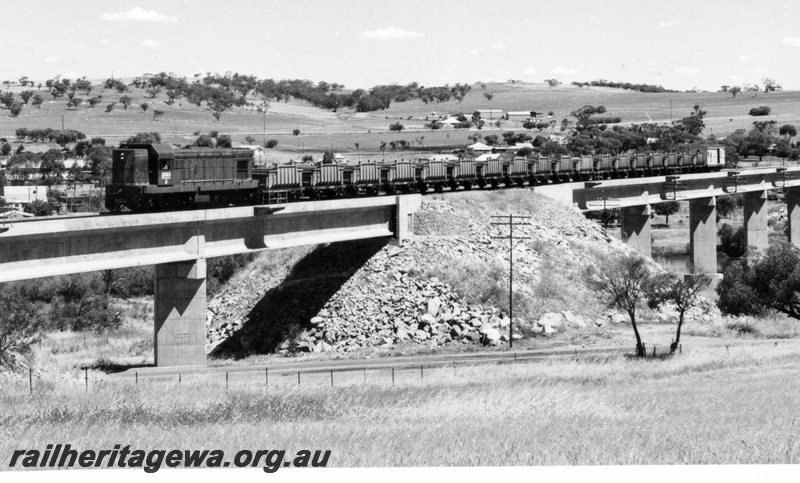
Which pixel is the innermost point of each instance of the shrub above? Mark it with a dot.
(732, 242)
(295, 132)
(39, 208)
(272, 143)
(760, 111)
(19, 327)
(397, 127)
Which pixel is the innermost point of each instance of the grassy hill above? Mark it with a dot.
(340, 131)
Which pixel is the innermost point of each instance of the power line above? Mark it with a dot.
(511, 239)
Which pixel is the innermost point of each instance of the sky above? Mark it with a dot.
(677, 44)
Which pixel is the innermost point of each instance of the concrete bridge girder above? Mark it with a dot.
(178, 243)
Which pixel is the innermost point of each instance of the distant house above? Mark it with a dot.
(561, 140)
(479, 147)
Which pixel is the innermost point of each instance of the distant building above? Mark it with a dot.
(489, 157)
(491, 114)
(479, 147)
(18, 197)
(521, 115)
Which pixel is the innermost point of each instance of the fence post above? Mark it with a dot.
(86, 376)
(226, 380)
(179, 378)
(421, 372)
(298, 378)
(365, 375)
(331, 377)
(266, 376)
(137, 377)
(392, 376)
(30, 378)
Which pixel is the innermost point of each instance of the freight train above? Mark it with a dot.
(154, 177)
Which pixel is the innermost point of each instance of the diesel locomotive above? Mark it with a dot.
(154, 177)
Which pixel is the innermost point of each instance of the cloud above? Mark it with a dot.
(138, 14)
(530, 71)
(793, 41)
(683, 70)
(475, 52)
(500, 46)
(745, 58)
(150, 43)
(51, 60)
(563, 71)
(391, 33)
(735, 77)
(669, 23)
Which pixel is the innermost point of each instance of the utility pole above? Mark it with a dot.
(511, 239)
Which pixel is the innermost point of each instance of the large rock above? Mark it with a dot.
(489, 335)
(434, 305)
(552, 320)
(573, 320)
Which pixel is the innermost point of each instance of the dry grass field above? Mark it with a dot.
(321, 130)
(707, 406)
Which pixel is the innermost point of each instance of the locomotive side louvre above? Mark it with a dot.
(623, 162)
(585, 164)
(602, 163)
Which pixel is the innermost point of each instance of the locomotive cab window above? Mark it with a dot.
(165, 164)
(241, 169)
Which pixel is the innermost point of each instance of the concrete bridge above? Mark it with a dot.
(635, 196)
(178, 243)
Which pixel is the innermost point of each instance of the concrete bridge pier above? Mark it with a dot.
(636, 228)
(755, 219)
(793, 214)
(180, 314)
(703, 234)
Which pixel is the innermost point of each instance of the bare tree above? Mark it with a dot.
(624, 282)
(680, 291)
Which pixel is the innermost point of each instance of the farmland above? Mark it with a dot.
(340, 131)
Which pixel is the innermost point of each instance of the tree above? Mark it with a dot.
(125, 101)
(16, 109)
(295, 132)
(759, 283)
(271, 143)
(682, 292)
(552, 82)
(788, 130)
(52, 162)
(37, 101)
(770, 85)
(726, 205)
(145, 138)
(20, 326)
(396, 127)
(624, 282)
(7, 99)
(157, 113)
(667, 208)
(110, 106)
(760, 111)
(26, 96)
(144, 106)
(204, 141)
(488, 95)
(217, 115)
(732, 242)
(224, 141)
(735, 90)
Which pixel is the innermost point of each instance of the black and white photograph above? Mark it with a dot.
(357, 241)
